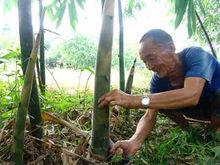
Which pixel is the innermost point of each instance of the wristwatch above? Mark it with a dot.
(145, 100)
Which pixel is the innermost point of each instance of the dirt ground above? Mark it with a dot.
(71, 80)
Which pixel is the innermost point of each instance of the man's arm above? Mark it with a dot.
(179, 98)
(185, 97)
(144, 127)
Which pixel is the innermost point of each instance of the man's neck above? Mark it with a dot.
(176, 78)
(177, 68)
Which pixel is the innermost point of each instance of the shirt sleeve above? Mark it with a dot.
(200, 64)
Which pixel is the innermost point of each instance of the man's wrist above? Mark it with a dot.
(145, 101)
(137, 141)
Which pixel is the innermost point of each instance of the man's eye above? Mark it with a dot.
(151, 59)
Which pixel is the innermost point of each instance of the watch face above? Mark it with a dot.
(145, 101)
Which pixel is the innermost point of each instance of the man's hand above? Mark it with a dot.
(115, 97)
(129, 147)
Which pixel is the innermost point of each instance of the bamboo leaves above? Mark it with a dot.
(60, 12)
(180, 10)
(56, 11)
(191, 18)
(72, 13)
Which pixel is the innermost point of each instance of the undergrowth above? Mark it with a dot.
(168, 144)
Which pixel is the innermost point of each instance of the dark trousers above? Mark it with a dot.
(206, 110)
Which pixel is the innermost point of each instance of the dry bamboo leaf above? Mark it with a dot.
(9, 123)
(49, 117)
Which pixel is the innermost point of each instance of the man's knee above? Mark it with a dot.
(176, 117)
(215, 122)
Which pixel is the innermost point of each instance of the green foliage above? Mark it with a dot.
(168, 144)
(10, 94)
(56, 10)
(132, 6)
(80, 52)
(8, 56)
(191, 18)
(61, 101)
(8, 5)
(180, 11)
(211, 21)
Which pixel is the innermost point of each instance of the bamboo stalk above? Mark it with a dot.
(129, 87)
(24, 103)
(39, 76)
(100, 143)
(26, 44)
(42, 52)
(121, 48)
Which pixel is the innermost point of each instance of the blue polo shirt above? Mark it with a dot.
(196, 63)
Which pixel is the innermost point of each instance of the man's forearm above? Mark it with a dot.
(144, 127)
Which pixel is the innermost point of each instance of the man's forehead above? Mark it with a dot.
(149, 46)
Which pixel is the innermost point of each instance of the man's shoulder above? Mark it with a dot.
(193, 50)
(195, 54)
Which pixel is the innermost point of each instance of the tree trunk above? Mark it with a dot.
(23, 105)
(100, 143)
(42, 52)
(26, 44)
(121, 48)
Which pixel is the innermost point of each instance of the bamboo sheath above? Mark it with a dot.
(100, 143)
(24, 103)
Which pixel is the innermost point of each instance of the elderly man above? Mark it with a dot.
(184, 84)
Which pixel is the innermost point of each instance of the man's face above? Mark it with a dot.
(156, 57)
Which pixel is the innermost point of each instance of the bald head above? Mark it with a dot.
(158, 36)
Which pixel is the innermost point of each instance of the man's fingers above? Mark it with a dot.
(112, 103)
(101, 99)
(116, 146)
(105, 101)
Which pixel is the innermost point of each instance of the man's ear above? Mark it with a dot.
(172, 47)
(168, 48)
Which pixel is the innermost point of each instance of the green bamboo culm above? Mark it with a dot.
(100, 143)
(121, 48)
(129, 87)
(42, 52)
(24, 104)
(26, 44)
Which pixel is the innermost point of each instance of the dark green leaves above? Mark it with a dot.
(133, 5)
(60, 12)
(5, 58)
(56, 11)
(72, 13)
(201, 6)
(81, 3)
(180, 8)
(191, 18)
